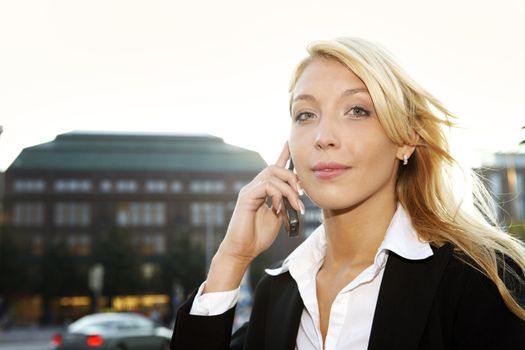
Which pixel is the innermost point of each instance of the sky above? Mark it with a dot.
(223, 67)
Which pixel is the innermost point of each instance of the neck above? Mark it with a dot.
(353, 235)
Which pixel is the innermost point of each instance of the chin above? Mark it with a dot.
(333, 200)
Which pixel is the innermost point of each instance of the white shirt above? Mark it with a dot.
(352, 311)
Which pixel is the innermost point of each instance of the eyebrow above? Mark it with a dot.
(348, 92)
(354, 91)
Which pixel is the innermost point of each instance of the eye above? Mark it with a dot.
(304, 116)
(358, 111)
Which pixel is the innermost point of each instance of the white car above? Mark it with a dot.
(115, 331)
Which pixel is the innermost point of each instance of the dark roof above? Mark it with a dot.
(138, 152)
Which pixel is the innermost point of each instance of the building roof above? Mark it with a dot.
(138, 152)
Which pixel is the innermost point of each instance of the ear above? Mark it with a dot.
(407, 150)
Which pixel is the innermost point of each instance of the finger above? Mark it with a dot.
(267, 189)
(275, 171)
(285, 190)
(284, 156)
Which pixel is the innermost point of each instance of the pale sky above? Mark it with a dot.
(223, 67)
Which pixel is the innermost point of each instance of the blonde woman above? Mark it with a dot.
(398, 263)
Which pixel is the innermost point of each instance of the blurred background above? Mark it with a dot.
(127, 129)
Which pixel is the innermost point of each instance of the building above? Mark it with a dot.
(155, 188)
(504, 175)
(2, 219)
(80, 184)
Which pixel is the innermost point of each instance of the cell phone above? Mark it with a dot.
(291, 220)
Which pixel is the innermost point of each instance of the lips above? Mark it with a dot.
(329, 170)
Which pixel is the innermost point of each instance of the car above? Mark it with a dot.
(113, 331)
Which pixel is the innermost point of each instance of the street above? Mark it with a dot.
(26, 338)
(29, 345)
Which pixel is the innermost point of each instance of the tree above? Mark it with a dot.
(122, 263)
(182, 266)
(14, 277)
(58, 273)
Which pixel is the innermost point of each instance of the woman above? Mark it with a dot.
(399, 262)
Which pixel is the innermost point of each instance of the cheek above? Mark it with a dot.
(300, 143)
(371, 144)
(375, 153)
(376, 159)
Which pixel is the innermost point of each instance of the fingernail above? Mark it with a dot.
(301, 205)
(300, 190)
(278, 209)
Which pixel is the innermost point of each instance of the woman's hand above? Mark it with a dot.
(254, 225)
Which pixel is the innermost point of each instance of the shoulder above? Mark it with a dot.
(464, 274)
(463, 277)
(461, 271)
(474, 309)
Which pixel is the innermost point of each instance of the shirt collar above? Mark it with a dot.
(400, 238)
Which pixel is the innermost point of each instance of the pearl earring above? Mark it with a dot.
(405, 159)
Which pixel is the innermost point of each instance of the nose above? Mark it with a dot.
(326, 134)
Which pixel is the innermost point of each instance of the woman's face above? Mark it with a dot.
(342, 155)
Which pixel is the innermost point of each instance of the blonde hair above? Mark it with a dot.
(423, 186)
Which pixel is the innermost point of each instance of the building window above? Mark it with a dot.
(156, 186)
(29, 185)
(207, 186)
(72, 185)
(149, 270)
(37, 245)
(153, 244)
(28, 214)
(203, 213)
(495, 184)
(238, 185)
(520, 197)
(126, 186)
(141, 214)
(79, 244)
(308, 231)
(313, 215)
(106, 186)
(496, 190)
(72, 214)
(176, 186)
(230, 206)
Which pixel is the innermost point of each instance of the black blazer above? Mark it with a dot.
(437, 303)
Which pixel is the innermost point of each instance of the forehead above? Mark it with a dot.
(326, 72)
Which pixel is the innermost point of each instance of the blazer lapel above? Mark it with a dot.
(405, 298)
(284, 313)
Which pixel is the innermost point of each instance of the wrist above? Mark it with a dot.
(225, 273)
